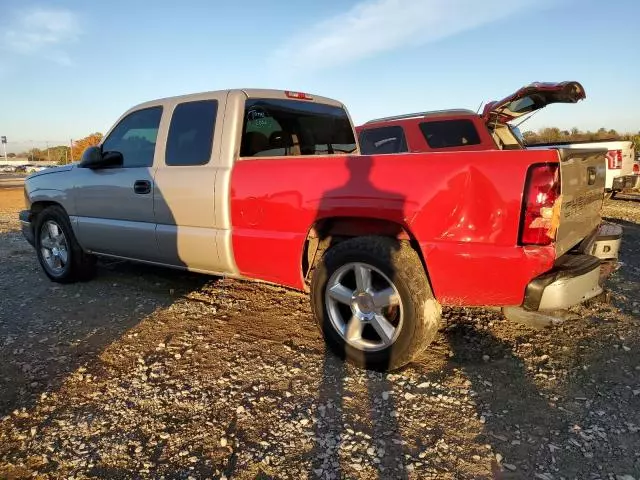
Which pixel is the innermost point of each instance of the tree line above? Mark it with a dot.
(554, 135)
(62, 154)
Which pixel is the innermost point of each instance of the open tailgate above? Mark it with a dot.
(582, 176)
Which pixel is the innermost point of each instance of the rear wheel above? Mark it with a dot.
(372, 301)
(58, 251)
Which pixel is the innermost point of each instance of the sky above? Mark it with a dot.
(70, 68)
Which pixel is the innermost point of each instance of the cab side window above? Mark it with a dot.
(135, 137)
(383, 140)
(191, 133)
(450, 133)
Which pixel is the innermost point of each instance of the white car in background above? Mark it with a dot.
(35, 168)
(620, 162)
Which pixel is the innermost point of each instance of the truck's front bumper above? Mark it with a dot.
(27, 229)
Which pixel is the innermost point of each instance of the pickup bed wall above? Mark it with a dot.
(463, 209)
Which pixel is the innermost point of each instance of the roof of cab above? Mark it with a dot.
(248, 92)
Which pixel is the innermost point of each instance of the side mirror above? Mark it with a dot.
(94, 158)
(91, 157)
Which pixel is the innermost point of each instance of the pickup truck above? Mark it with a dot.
(465, 130)
(620, 162)
(461, 129)
(269, 185)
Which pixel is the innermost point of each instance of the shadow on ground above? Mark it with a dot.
(48, 330)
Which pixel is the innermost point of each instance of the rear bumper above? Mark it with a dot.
(576, 277)
(573, 280)
(27, 229)
(625, 182)
(634, 181)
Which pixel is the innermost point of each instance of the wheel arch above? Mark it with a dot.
(39, 205)
(328, 232)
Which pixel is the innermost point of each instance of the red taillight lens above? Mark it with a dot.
(542, 192)
(614, 159)
(636, 168)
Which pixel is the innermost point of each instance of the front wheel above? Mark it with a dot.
(372, 301)
(58, 251)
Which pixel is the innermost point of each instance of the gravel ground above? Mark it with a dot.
(147, 373)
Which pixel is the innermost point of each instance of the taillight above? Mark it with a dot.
(542, 191)
(614, 159)
(636, 168)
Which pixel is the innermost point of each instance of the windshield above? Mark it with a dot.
(293, 127)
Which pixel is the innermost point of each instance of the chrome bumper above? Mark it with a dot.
(568, 292)
(574, 279)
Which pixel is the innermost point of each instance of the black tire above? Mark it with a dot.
(79, 265)
(401, 264)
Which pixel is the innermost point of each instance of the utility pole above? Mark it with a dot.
(4, 144)
(71, 147)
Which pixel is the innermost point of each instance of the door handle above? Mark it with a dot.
(142, 186)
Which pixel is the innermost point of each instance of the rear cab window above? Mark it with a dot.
(450, 133)
(274, 128)
(381, 140)
(191, 131)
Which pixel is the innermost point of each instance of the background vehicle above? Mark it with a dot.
(34, 168)
(464, 130)
(268, 185)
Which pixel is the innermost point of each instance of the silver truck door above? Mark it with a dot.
(184, 189)
(115, 205)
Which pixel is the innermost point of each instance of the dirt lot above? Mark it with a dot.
(11, 180)
(147, 373)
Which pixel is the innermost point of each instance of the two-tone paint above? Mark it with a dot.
(253, 217)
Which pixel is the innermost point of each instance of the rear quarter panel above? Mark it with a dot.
(462, 208)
